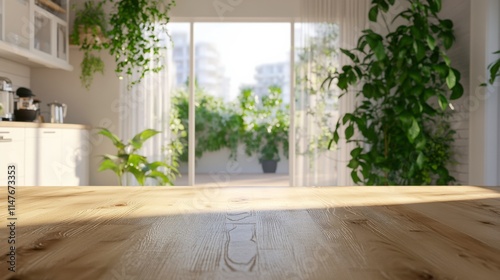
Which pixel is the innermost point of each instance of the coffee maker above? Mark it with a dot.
(6, 100)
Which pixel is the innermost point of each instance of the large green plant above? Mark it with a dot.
(127, 160)
(404, 82)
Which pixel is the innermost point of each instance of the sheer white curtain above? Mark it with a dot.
(325, 26)
(147, 106)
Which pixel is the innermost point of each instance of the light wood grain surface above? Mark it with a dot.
(254, 233)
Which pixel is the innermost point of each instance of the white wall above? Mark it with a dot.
(93, 107)
(17, 73)
(227, 10)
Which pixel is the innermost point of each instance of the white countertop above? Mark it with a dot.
(43, 125)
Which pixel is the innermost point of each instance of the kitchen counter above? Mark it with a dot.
(43, 125)
(253, 233)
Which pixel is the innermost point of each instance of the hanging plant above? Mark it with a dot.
(404, 82)
(90, 65)
(89, 32)
(137, 27)
(136, 36)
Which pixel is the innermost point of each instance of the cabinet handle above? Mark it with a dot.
(4, 132)
(4, 140)
(49, 132)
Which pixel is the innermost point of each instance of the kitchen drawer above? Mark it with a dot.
(12, 152)
(12, 133)
(43, 132)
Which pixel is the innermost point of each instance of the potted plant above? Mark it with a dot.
(135, 37)
(90, 25)
(89, 32)
(405, 83)
(266, 128)
(128, 160)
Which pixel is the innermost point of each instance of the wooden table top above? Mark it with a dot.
(253, 233)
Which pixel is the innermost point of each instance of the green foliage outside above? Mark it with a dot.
(407, 82)
(261, 125)
(316, 106)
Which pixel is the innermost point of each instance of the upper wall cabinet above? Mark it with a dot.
(35, 32)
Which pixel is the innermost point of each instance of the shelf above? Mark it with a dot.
(51, 5)
(31, 58)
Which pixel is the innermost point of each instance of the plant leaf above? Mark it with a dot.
(356, 152)
(414, 131)
(349, 132)
(421, 160)
(451, 80)
(457, 92)
(355, 177)
(443, 102)
(141, 137)
(431, 42)
(352, 56)
(115, 139)
(108, 164)
(373, 14)
(379, 51)
(138, 174)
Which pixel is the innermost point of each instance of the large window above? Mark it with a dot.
(242, 87)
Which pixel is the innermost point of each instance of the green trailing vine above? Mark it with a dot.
(134, 33)
(136, 29)
(404, 82)
(89, 31)
(90, 65)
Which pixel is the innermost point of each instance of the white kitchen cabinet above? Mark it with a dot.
(43, 157)
(12, 152)
(74, 166)
(35, 32)
(57, 157)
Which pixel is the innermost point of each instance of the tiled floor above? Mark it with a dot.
(227, 180)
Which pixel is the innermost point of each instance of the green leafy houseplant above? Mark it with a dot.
(127, 160)
(404, 82)
(136, 35)
(90, 24)
(89, 31)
